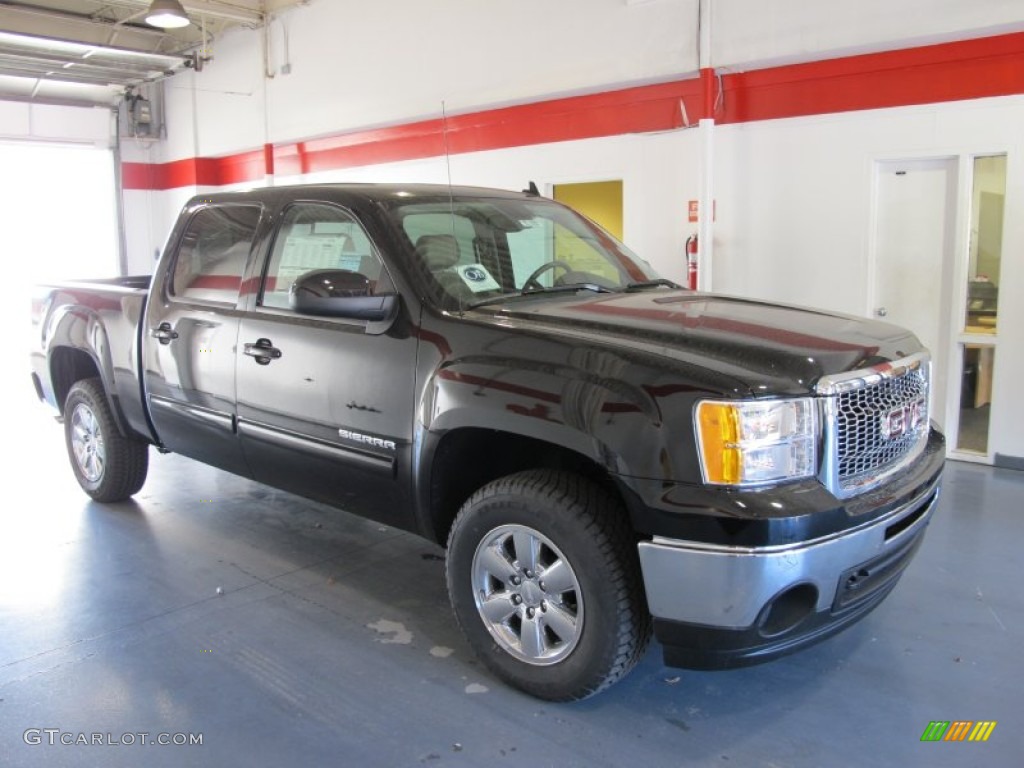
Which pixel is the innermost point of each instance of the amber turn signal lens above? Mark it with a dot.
(719, 438)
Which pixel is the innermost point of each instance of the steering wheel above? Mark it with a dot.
(531, 283)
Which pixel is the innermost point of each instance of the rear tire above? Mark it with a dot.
(108, 465)
(545, 582)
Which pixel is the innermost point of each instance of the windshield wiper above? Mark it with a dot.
(570, 288)
(643, 284)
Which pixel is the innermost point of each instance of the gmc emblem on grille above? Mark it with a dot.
(903, 420)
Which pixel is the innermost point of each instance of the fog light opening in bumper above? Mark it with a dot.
(787, 609)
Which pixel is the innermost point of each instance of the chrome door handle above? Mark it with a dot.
(164, 333)
(263, 351)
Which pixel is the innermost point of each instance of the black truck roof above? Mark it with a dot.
(368, 192)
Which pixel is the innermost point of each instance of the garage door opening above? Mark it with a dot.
(59, 203)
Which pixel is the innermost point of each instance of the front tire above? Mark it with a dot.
(545, 583)
(108, 465)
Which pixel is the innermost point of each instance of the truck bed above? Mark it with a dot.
(93, 322)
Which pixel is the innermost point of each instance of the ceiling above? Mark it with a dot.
(90, 52)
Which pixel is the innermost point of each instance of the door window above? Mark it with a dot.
(978, 363)
(986, 244)
(978, 335)
(213, 251)
(316, 236)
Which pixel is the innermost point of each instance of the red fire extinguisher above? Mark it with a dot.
(691, 262)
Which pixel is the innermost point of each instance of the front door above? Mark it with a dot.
(192, 328)
(325, 409)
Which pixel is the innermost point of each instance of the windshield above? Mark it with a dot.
(475, 250)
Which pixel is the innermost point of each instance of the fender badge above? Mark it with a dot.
(359, 437)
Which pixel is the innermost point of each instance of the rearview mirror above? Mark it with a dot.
(341, 293)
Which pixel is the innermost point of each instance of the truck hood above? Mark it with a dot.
(767, 349)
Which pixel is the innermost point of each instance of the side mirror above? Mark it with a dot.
(340, 293)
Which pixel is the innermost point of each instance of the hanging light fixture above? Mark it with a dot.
(167, 14)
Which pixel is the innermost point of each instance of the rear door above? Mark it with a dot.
(192, 328)
(325, 408)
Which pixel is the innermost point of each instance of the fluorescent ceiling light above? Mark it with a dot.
(167, 14)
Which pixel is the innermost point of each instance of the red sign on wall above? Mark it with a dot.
(693, 211)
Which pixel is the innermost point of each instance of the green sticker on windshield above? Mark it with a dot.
(477, 278)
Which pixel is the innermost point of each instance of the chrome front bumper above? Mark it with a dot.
(738, 588)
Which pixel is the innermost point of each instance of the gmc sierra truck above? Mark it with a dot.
(603, 453)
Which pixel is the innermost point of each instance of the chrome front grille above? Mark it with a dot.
(876, 422)
(861, 415)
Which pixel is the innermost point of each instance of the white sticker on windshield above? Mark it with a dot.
(477, 278)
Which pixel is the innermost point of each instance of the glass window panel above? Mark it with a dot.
(472, 250)
(315, 236)
(975, 397)
(987, 198)
(213, 251)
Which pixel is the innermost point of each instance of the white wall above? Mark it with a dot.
(800, 188)
(747, 34)
(365, 63)
(794, 208)
(793, 196)
(227, 97)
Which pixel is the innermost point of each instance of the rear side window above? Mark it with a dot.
(213, 252)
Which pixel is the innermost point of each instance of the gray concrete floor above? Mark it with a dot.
(333, 643)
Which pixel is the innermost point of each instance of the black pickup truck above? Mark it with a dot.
(602, 452)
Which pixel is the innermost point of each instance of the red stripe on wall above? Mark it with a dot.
(632, 110)
(400, 142)
(244, 166)
(971, 69)
(193, 171)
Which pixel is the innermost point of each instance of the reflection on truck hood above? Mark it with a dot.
(771, 349)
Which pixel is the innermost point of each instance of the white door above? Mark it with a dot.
(914, 235)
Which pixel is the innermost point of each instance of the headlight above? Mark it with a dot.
(755, 442)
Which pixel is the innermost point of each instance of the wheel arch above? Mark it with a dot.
(465, 459)
(79, 349)
(69, 365)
